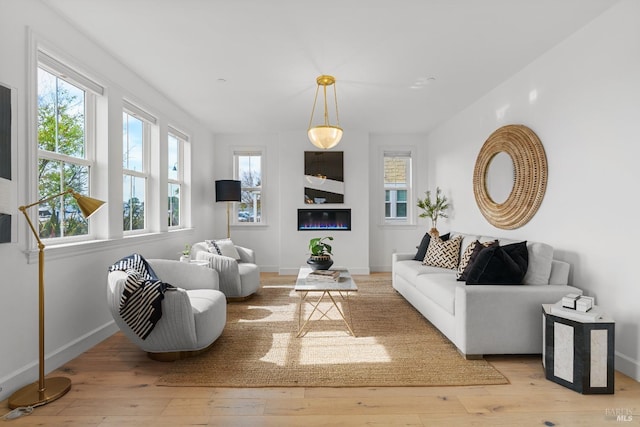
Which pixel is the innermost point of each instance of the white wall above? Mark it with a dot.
(264, 239)
(585, 113)
(387, 239)
(582, 99)
(76, 313)
(279, 246)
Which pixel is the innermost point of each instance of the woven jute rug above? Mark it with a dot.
(394, 345)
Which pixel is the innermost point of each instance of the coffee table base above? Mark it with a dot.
(325, 293)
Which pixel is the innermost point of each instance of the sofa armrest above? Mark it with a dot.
(185, 275)
(176, 327)
(485, 315)
(401, 256)
(227, 269)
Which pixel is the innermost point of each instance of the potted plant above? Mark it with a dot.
(185, 255)
(434, 209)
(320, 253)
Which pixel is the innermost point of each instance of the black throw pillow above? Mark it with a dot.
(479, 247)
(424, 244)
(500, 265)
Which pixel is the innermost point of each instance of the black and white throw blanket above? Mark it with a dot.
(141, 301)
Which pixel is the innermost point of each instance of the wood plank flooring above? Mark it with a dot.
(114, 386)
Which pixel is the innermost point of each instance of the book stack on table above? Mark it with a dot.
(323, 276)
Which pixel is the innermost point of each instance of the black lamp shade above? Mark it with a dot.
(227, 190)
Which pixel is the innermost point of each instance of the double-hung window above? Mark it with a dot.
(66, 138)
(175, 177)
(397, 186)
(248, 170)
(135, 169)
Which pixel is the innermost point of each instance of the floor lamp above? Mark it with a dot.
(228, 190)
(47, 389)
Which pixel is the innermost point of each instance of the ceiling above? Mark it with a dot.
(401, 66)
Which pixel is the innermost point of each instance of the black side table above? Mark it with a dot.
(578, 354)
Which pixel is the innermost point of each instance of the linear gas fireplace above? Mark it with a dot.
(324, 219)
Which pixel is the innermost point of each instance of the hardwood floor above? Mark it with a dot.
(114, 385)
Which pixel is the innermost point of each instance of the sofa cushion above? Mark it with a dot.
(469, 257)
(439, 288)
(424, 244)
(500, 265)
(224, 247)
(443, 253)
(410, 270)
(540, 258)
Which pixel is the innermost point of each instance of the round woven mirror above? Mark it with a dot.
(529, 176)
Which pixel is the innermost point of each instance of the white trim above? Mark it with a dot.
(29, 373)
(379, 194)
(250, 151)
(627, 365)
(178, 134)
(66, 250)
(138, 112)
(65, 72)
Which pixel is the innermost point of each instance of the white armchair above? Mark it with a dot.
(239, 278)
(193, 315)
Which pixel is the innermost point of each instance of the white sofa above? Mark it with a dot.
(485, 319)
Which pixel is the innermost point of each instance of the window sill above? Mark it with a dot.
(399, 224)
(241, 225)
(66, 250)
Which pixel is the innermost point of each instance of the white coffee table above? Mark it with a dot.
(328, 289)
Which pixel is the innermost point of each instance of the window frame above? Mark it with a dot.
(398, 152)
(147, 121)
(254, 151)
(92, 90)
(180, 180)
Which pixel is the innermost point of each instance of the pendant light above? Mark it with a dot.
(325, 136)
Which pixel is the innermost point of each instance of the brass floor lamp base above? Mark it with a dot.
(54, 388)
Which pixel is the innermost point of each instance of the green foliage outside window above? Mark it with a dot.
(61, 130)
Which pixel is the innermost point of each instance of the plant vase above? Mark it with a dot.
(320, 262)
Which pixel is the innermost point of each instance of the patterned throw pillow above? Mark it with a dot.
(224, 247)
(443, 253)
(469, 255)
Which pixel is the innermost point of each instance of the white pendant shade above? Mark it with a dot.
(325, 137)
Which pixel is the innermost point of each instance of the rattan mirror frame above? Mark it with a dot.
(529, 181)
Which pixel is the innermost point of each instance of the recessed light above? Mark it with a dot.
(421, 82)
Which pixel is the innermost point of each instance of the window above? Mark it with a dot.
(135, 171)
(66, 119)
(397, 185)
(248, 169)
(175, 178)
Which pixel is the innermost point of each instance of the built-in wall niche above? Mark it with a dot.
(324, 219)
(323, 177)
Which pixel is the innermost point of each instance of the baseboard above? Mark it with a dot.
(269, 269)
(29, 373)
(627, 366)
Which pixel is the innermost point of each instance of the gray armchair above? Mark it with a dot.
(239, 278)
(193, 315)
